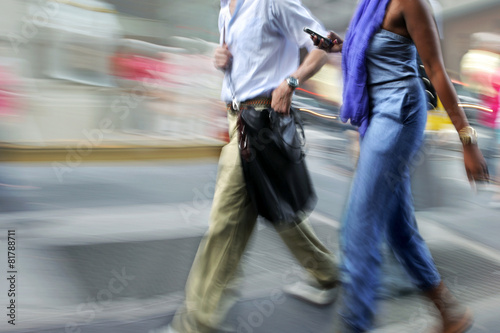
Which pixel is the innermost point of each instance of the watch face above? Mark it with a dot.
(292, 82)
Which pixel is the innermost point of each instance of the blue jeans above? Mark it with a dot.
(380, 203)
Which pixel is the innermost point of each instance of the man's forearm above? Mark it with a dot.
(282, 95)
(311, 65)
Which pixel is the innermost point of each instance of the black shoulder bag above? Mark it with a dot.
(272, 154)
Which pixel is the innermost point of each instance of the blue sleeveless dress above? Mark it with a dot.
(380, 203)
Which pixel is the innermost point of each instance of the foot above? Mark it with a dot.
(455, 318)
(459, 324)
(313, 292)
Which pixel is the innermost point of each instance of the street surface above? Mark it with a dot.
(138, 224)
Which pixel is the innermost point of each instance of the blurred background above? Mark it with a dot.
(144, 68)
(110, 129)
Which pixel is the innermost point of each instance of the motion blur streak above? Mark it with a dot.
(110, 128)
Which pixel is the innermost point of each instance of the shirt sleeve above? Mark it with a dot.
(291, 17)
(221, 27)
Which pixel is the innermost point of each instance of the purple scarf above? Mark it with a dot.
(365, 23)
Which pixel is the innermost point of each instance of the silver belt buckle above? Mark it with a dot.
(236, 105)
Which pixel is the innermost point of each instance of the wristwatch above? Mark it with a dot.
(468, 135)
(292, 82)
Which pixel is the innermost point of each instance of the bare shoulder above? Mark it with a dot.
(401, 13)
(415, 7)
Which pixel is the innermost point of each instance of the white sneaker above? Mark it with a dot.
(312, 292)
(163, 329)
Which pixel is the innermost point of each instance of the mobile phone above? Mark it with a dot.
(327, 41)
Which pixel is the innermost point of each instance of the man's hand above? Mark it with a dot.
(282, 98)
(222, 57)
(335, 47)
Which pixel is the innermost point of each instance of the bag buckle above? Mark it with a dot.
(236, 105)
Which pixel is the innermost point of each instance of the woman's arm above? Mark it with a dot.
(422, 29)
(419, 21)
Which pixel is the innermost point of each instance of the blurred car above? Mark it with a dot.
(319, 103)
(315, 112)
(470, 101)
(319, 100)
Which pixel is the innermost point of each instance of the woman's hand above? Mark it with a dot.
(335, 47)
(475, 165)
(222, 57)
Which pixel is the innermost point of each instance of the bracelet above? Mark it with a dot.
(468, 135)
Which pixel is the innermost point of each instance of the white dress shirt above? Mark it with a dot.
(264, 37)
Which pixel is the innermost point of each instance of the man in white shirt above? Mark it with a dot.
(259, 54)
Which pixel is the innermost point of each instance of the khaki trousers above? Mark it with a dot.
(209, 295)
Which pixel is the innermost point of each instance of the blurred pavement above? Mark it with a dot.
(107, 247)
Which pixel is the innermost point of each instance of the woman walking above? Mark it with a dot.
(384, 96)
